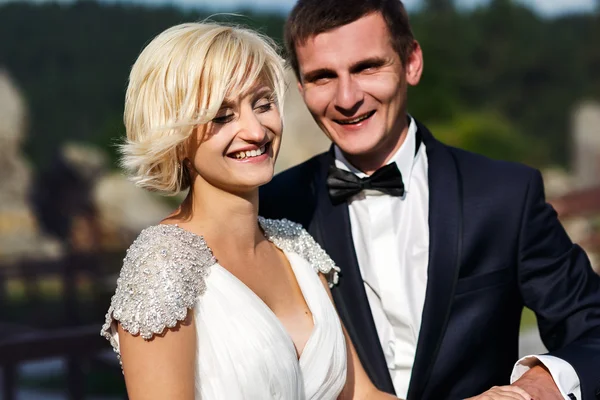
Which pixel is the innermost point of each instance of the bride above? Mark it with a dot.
(216, 302)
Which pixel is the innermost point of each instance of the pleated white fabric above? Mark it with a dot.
(244, 351)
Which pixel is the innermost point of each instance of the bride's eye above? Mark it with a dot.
(264, 104)
(223, 116)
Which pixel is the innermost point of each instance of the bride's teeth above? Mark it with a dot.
(250, 153)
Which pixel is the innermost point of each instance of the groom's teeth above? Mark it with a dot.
(250, 153)
(355, 120)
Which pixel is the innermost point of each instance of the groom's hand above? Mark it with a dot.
(539, 384)
(503, 393)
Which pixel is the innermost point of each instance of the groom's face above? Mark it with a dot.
(354, 84)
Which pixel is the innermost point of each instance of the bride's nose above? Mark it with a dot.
(251, 129)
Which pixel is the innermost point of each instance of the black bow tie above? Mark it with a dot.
(343, 184)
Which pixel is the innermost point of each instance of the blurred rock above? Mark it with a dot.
(586, 144)
(302, 138)
(578, 228)
(90, 162)
(557, 182)
(19, 233)
(92, 209)
(61, 196)
(124, 209)
(16, 176)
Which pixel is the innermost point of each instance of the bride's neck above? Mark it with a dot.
(223, 218)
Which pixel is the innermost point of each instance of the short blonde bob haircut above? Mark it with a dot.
(178, 83)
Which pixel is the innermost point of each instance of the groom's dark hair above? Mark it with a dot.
(311, 17)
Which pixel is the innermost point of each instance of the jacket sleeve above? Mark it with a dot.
(558, 283)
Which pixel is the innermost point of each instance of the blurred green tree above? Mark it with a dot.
(439, 6)
(490, 134)
(72, 62)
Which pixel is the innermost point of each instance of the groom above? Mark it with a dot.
(439, 248)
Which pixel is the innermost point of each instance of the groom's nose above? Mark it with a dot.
(349, 96)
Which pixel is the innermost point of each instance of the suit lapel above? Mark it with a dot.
(445, 236)
(332, 229)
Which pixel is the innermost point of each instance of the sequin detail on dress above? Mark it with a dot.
(163, 274)
(290, 236)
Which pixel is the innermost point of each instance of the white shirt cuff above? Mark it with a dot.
(562, 372)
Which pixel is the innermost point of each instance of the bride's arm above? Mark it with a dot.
(162, 367)
(358, 385)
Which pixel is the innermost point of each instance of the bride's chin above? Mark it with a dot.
(247, 189)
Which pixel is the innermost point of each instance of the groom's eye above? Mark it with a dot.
(320, 76)
(368, 65)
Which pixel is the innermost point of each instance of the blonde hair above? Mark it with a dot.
(178, 82)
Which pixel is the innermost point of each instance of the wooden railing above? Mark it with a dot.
(77, 346)
(74, 337)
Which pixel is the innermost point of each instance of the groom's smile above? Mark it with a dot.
(354, 122)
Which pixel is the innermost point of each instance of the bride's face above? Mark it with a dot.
(236, 151)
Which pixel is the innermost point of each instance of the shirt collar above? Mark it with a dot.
(404, 157)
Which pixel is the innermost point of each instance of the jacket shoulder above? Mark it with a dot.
(481, 169)
(292, 193)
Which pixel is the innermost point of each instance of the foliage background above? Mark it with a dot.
(498, 79)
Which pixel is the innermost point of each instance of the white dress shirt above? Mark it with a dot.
(391, 239)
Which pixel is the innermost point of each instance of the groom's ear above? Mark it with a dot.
(300, 88)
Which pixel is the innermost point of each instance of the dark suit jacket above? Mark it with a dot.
(495, 246)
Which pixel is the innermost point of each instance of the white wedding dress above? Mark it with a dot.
(244, 351)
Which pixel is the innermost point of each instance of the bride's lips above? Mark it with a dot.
(234, 155)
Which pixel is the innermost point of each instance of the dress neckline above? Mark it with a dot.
(258, 299)
(271, 313)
